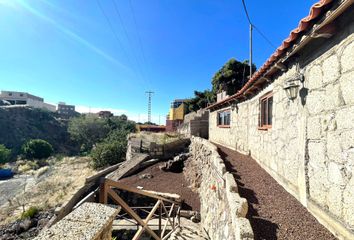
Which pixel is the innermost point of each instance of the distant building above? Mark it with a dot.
(150, 128)
(105, 114)
(65, 110)
(176, 115)
(25, 99)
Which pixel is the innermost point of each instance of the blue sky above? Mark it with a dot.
(65, 50)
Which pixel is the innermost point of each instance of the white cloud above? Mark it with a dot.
(87, 109)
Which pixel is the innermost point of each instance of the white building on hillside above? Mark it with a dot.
(25, 99)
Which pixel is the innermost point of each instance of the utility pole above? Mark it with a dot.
(251, 28)
(149, 93)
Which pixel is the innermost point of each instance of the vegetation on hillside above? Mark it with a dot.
(37, 149)
(19, 125)
(104, 138)
(4, 154)
(230, 78)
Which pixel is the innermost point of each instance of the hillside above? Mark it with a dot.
(17, 125)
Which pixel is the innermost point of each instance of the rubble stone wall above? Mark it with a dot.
(223, 211)
(309, 149)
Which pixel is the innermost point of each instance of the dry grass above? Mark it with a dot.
(53, 187)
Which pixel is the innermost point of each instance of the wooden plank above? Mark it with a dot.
(68, 206)
(134, 190)
(127, 167)
(102, 173)
(138, 233)
(126, 208)
(153, 211)
(168, 216)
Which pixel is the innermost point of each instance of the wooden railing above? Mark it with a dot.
(169, 210)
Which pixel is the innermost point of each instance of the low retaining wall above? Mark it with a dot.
(90, 221)
(223, 211)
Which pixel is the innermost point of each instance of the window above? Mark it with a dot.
(266, 111)
(223, 118)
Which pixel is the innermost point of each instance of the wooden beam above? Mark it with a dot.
(126, 208)
(134, 190)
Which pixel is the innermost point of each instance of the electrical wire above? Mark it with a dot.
(128, 38)
(137, 32)
(110, 25)
(255, 27)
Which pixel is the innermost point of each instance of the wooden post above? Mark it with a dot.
(103, 191)
(160, 219)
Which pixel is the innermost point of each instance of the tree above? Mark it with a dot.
(88, 130)
(37, 149)
(231, 77)
(4, 154)
(200, 100)
(111, 151)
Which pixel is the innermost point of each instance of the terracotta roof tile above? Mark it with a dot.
(304, 25)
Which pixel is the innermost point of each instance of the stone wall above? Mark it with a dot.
(309, 149)
(223, 211)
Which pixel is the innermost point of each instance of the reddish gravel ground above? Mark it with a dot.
(168, 182)
(273, 212)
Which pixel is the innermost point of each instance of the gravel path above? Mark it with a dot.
(168, 182)
(273, 212)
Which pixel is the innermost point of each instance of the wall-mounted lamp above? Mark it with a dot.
(234, 105)
(291, 85)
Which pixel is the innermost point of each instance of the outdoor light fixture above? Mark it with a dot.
(292, 84)
(233, 105)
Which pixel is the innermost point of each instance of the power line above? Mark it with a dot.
(245, 9)
(137, 32)
(264, 36)
(255, 27)
(112, 29)
(128, 38)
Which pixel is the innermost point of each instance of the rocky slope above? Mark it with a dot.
(18, 125)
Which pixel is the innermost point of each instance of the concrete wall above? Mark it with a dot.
(222, 211)
(91, 221)
(310, 148)
(195, 124)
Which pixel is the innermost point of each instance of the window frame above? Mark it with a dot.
(223, 125)
(263, 115)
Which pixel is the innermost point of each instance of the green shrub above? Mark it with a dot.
(30, 213)
(37, 149)
(108, 153)
(4, 154)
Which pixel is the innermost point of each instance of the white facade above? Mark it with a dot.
(26, 99)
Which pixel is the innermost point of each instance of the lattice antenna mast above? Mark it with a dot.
(149, 93)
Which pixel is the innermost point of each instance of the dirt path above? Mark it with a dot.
(167, 182)
(273, 212)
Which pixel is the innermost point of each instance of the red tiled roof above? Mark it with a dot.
(304, 25)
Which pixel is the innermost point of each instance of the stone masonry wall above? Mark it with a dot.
(310, 148)
(223, 211)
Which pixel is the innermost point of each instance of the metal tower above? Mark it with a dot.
(149, 93)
